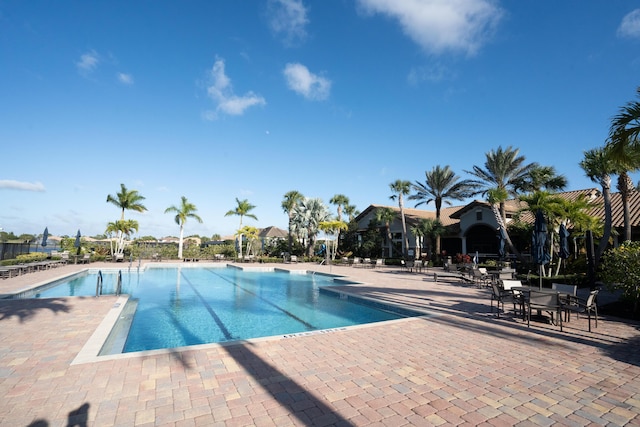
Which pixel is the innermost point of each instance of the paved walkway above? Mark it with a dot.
(462, 366)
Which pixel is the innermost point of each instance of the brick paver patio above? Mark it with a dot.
(461, 366)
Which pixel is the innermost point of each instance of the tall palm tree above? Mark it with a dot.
(340, 200)
(386, 216)
(242, 209)
(503, 170)
(624, 133)
(540, 178)
(400, 189)
(598, 166)
(289, 203)
(441, 184)
(624, 148)
(351, 211)
(127, 200)
(183, 212)
(625, 187)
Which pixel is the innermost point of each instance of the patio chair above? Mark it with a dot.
(568, 295)
(479, 278)
(293, 258)
(544, 301)
(379, 263)
(587, 306)
(517, 295)
(500, 296)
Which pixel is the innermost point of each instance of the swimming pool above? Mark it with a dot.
(176, 307)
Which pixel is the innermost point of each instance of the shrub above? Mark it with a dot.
(32, 257)
(620, 269)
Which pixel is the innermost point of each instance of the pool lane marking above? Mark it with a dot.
(288, 313)
(213, 314)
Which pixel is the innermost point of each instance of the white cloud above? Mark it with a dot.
(22, 186)
(630, 25)
(307, 84)
(221, 91)
(442, 25)
(289, 18)
(88, 62)
(126, 79)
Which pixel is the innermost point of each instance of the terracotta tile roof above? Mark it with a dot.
(617, 215)
(450, 216)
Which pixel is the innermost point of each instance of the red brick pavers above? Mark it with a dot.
(463, 366)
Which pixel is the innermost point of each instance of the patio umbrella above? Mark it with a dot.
(539, 243)
(77, 242)
(45, 236)
(564, 242)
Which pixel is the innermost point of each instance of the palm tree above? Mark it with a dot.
(401, 188)
(121, 228)
(441, 184)
(340, 200)
(503, 170)
(183, 212)
(624, 147)
(625, 187)
(540, 178)
(598, 166)
(127, 200)
(351, 211)
(550, 204)
(308, 215)
(386, 216)
(252, 235)
(289, 203)
(332, 228)
(243, 209)
(624, 133)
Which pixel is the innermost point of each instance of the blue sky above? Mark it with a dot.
(222, 100)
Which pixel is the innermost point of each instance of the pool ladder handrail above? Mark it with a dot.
(99, 284)
(119, 284)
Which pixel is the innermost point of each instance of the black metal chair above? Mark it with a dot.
(544, 301)
(499, 295)
(587, 307)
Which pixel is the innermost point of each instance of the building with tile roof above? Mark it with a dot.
(473, 227)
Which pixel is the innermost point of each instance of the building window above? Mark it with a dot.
(478, 215)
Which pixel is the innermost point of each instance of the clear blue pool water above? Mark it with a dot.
(186, 306)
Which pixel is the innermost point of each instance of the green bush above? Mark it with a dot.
(620, 270)
(32, 257)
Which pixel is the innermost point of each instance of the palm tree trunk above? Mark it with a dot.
(606, 195)
(405, 238)
(180, 243)
(499, 218)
